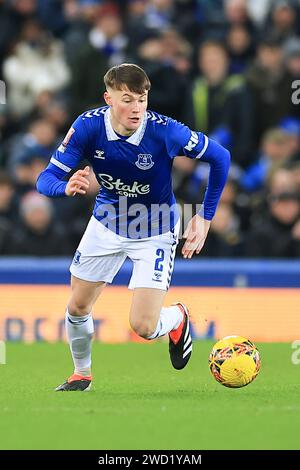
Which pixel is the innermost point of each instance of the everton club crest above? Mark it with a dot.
(144, 161)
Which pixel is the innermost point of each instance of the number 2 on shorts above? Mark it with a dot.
(159, 260)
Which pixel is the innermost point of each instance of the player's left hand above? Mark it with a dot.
(195, 234)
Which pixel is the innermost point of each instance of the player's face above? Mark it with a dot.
(127, 109)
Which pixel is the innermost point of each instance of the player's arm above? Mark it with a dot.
(67, 157)
(183, 141)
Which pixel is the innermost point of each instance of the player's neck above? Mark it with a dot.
(120, 130)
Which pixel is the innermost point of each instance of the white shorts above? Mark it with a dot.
(101, 253)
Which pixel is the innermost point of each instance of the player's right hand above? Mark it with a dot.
(78, 183)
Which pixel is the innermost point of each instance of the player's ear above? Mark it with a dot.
(107, 98)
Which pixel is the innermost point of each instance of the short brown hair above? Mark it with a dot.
(130, 75)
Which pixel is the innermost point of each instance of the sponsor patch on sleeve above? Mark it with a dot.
(63, 145)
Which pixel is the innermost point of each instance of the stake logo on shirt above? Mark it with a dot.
(123, 189)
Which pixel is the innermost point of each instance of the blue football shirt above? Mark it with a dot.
(135, 172)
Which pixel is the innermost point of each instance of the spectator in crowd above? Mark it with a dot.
(217, 16)
(136, 29)
(27, 171)
(7, 29)
(80, 17)
(183, 169)
(214, 99)
(270, 86)
(291, 127)
(276, 232)
(107, 34)
(166, 60)
(239, 200)
(36, 64)
(54, 111)
(105, 46)
(38, 233)
(159, 14)
(13, 15)
(291, 54)
(240, 47)
(283, 21)
(210, 11)
(226, 239)
(40, 140)
(237, 14)
(275, 152)
(8, 199)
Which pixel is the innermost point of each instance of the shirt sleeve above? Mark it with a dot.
(67, 157)
(181, 140)
(73, 148)
(219, 160)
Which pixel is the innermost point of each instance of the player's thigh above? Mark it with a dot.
(83, 296)
(153, 261)
(145, 309)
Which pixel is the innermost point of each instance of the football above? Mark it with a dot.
(234, 361)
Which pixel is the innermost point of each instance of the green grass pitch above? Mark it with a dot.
(140, 402)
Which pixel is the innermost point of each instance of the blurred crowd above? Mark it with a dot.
(230, 68)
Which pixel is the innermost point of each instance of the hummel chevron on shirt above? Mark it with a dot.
(136, 169)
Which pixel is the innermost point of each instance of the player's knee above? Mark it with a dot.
(79, 308)
(143, 328)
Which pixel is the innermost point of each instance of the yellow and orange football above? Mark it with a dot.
(234, 361)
